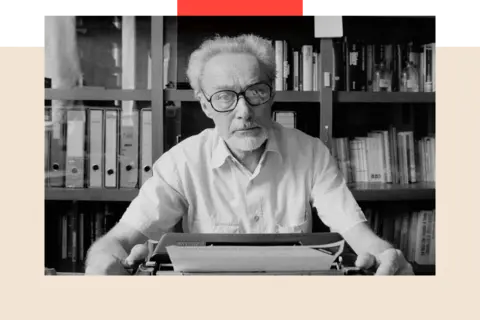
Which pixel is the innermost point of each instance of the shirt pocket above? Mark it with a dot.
(209, 225)
(299, 228)
(304, 226)
(226, 228)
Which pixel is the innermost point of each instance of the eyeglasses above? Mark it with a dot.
(227, 100)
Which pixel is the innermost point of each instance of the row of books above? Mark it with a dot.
(386, 156)
(412, 232)
(355, 65)
(98, 148)
(76, 228)
(297, 69)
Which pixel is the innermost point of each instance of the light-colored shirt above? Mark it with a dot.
(199, 180)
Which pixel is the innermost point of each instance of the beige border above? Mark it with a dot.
(36, 296)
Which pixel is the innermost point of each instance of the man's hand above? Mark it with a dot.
(139, 253)
(107, 264)
(389, 262)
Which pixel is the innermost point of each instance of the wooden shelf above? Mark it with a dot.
(98, 94)
(361, 192)
(339, 97)
(393, 192)
(179, 95)
(297, 96)
(383, 97)
(126, 195)
(280, 96)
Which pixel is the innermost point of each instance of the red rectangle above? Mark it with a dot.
(243, 8)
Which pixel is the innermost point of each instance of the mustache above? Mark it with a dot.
(246, 126)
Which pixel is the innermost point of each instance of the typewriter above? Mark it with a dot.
(159, 262)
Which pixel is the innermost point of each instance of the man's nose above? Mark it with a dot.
(243, 109)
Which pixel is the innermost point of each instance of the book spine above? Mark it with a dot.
(286, 65)
(387, 154)
(411, 157)
(307, 53)
(279, 65)
(315, 71)
(296, 73)
(369, 67)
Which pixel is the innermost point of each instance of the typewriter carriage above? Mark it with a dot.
(158, 262)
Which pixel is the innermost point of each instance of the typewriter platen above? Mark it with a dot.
(159, 262)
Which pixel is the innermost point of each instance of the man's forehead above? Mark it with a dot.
(231, 70)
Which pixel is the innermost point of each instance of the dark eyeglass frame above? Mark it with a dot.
(238, 94)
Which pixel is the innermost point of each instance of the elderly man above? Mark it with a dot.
(247, 175)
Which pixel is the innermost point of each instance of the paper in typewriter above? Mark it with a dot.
(230, 259)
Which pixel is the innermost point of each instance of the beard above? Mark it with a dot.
(247, 141)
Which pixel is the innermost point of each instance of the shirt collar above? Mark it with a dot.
(220, 152)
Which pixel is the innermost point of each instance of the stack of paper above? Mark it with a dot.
(229, 259)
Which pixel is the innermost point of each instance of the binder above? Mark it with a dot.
(95, 148)
(48, 127)
(129, 149)
(146, 145)
(56, 174)
(111, 148)
(75, 151)
(48, 119)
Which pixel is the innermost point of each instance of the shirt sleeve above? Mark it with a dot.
(160, 203)
(330, 195)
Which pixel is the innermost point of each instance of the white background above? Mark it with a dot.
(459, 42)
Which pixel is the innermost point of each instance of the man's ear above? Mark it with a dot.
(205, 105)
(206, 109)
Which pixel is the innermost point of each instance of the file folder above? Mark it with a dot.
(146, 145)
(129, 149)
(95, 148)
(47, 126)
(75, 152)
(56, 174)
(111, 148)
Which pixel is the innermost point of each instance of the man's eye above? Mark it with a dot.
(223, 96)
(257, 93)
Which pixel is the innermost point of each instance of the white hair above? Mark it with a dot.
(260, 47)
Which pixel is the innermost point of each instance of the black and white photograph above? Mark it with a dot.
(240, 145)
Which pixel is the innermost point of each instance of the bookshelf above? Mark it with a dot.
(320, 111)
(107, 195)
(361, 191)
(417, 98)
(87, 94)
